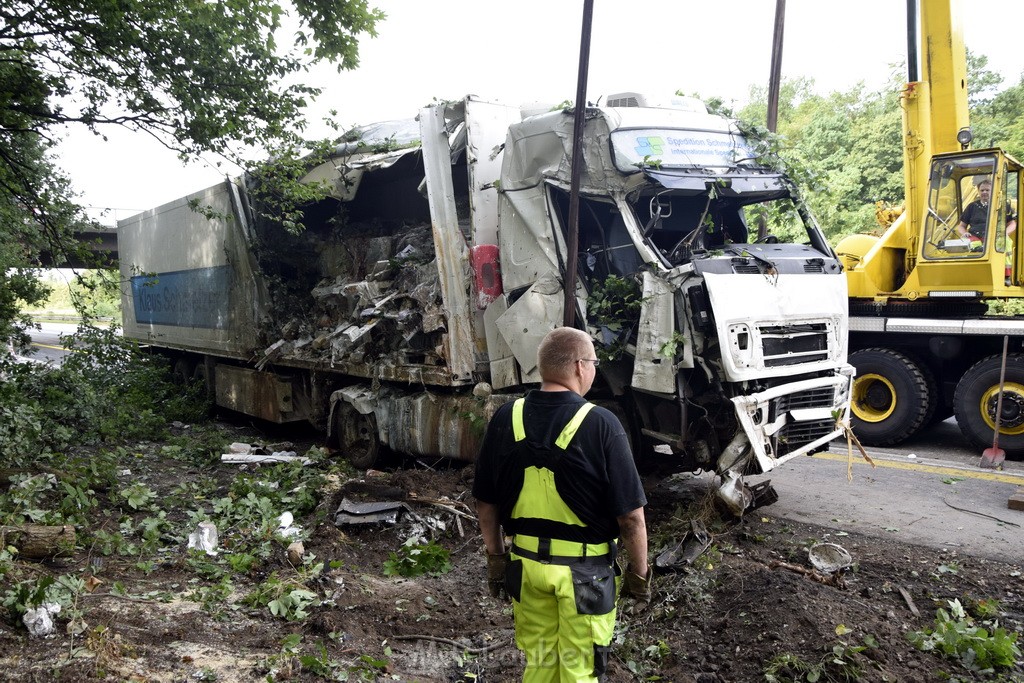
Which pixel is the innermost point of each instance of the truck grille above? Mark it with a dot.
(797, 434)
(792, 344)
(822, 397)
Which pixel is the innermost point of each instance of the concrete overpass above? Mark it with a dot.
(100, 242)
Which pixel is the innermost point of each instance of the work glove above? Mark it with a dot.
(496, 565)
(638, 587)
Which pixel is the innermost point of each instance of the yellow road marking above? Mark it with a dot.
(1004, 477)
(47, 346)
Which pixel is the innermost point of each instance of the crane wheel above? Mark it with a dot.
(975, 403)
(891, 400)
(356, 436)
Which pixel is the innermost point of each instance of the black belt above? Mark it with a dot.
(547, 558)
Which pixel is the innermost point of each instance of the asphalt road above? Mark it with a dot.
(46, 344)
(930, 491)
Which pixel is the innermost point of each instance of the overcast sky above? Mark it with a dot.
(527, 51)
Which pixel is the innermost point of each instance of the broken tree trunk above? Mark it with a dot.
(39, 541)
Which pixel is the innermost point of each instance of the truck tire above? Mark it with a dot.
(182, 370)
(357, 436)
(975, 404)
(891, 399)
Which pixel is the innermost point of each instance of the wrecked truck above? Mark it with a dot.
(410, 304)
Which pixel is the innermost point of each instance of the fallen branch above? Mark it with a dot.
(909, 600)
(39, 541)
(834, 580)
(980, 514)
(448, 641)
(443, 506)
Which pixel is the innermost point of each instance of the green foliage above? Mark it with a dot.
(138, 496)
(614, 305)
(200, 77)
(26, 595)
(674, 346)
(287, 599)
(416, 559)
(843, 663)
(118, 391)
(956, 636)
(91, 294)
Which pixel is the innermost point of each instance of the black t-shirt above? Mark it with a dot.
(975, 217)
(595, 475)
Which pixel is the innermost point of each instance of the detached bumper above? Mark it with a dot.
(794, 419)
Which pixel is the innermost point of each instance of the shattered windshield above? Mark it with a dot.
(685, 225)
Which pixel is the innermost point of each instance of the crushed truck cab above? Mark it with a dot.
(411, 304)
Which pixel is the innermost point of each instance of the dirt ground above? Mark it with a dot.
(750, 608)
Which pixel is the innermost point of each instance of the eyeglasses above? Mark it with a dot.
(595, 361)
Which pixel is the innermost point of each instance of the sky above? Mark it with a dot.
(527, 51)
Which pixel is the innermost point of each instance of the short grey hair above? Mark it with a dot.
(560, 349)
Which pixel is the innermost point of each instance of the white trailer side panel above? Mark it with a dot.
(187, 280)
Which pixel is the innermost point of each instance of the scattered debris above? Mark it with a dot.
(909, 600)
(295, 552)
(829, 558)
(1016, 500)
(835, 580)
(382, 512)
(204, 538)
(39, 620)
(248, 453)
(279, 456)
(285, 526)
(690, 547)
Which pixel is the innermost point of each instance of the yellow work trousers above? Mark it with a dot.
(564, 618)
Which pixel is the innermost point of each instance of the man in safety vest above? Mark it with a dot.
(556, 472)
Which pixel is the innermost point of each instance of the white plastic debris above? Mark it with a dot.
(39, 620)
(284, 525)
(912, 455)
(829, 558)
(204, 538)
(240, 448)
(279, 456)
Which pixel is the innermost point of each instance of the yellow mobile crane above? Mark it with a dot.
(922, 346)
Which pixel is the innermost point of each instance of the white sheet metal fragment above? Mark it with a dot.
(652, 370)
(529, 319)
(452, 254)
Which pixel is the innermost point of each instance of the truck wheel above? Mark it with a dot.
(890, 400)
(357, 436)
(202, 375)
(975, 404)
(182, 371)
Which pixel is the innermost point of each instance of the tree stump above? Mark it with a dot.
(39, 541)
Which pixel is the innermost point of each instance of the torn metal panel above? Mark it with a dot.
(362, 398)
(262, 394)
(795, 418)
(383, 512)
(785, 324)
(451, 252)
(504, 372)
(486, 125)
(527, 238)
(652, 369)
(532, 316)
(450, 426)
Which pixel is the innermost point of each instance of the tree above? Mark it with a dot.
(200, 76)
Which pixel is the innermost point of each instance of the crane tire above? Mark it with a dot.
(891, 400)
(975, 404)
